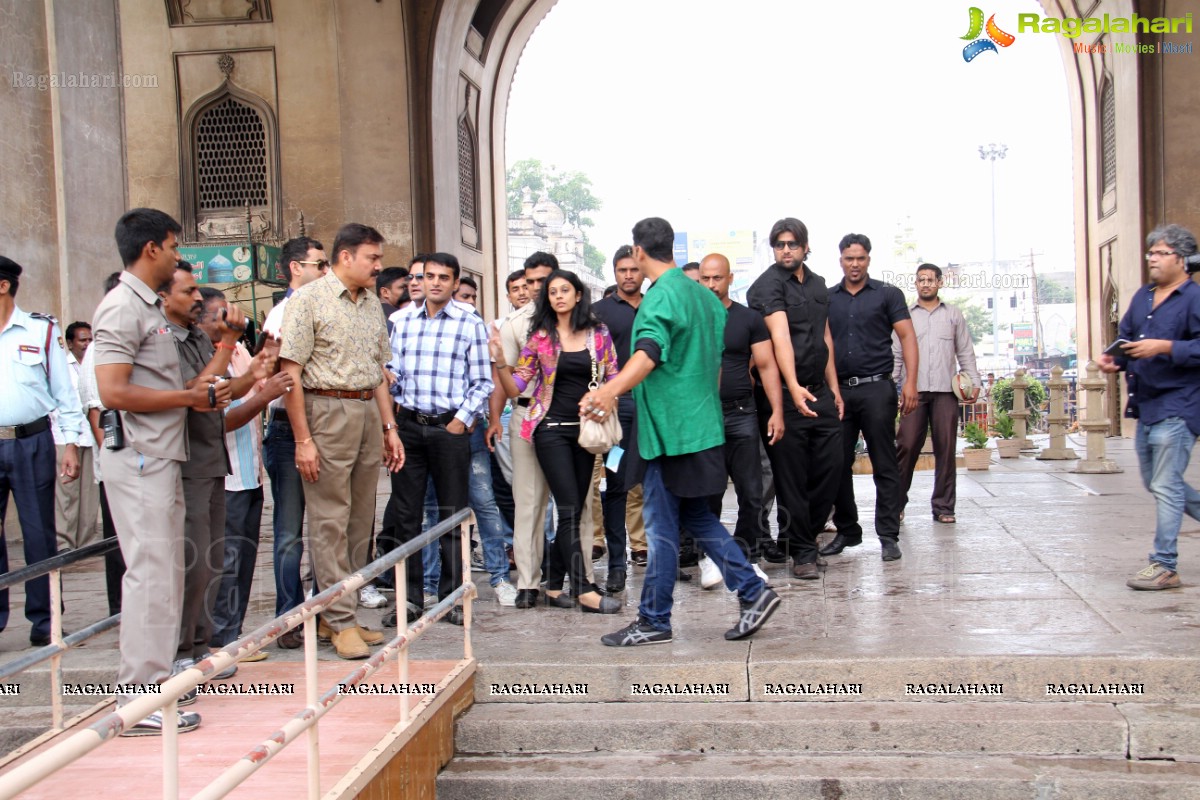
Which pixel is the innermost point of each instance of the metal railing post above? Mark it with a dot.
(465, 545)
(401, 584)
(56, 678)
(311, 696)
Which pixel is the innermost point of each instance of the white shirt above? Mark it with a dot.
(272, 325)
(89, 396)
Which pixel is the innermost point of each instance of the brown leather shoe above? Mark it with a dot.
(291, 640)
(372, 638)
(806, 572)
(324, 632)
(349, 644)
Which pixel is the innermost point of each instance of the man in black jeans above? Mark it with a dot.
(747, 345)
(617, 312)
(443, 380)
(794, 303)
(863, 312)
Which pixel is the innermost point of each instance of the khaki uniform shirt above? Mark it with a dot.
(514, 333)
(130, 328)
(340, 343)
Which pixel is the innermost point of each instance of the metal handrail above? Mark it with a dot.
(57, 561)
(111, 725)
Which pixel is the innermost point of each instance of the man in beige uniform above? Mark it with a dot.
(334, 347)
(530, 492)
(137, 372)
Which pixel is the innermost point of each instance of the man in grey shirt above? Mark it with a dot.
(945, 348)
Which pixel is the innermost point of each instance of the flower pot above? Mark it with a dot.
(1008, 448)
(977, 458)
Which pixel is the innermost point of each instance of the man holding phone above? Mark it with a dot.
(1161, 359)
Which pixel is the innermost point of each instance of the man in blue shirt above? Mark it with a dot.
(1161, 360)
(33, 382)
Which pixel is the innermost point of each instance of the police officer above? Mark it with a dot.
(33, 382)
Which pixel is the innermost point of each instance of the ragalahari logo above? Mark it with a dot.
(995, 36)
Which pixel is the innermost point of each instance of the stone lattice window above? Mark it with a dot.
(231, 157)
(1108, 135)
(466, 172)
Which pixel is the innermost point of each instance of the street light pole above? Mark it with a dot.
(992, 152)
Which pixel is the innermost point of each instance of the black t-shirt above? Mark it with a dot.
(807, 306)
(617, 315)
(743, 328)
(861, 325)
(571, 379)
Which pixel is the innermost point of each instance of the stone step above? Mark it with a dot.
(19, 725)
(1090, 729)
(667, 776)
(774, 672)
(32, 687)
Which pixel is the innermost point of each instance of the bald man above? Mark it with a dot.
(748, 359)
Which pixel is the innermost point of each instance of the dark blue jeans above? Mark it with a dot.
(664, 514)
(287, 492)
(243, 517)
(27, 468)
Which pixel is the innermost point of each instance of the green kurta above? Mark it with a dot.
(679, 403)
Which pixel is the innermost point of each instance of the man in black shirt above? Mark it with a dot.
(805, 461)
(863, 312)
(747, 345)
(617, 312)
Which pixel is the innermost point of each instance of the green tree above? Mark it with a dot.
(594, 259)
(979, 322)
(1051, 291)
(529, 173)
(572, 192)
(1035, 396)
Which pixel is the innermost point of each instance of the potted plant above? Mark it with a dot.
(976, 453)
(1006, 445)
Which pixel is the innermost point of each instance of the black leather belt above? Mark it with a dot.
(868, 379)
(22, 431)
(524, 402)
(734, 405)
(813, 388)
(424, 419)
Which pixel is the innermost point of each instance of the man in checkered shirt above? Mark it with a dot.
(443, 381)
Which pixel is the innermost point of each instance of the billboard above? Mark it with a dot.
(233, 263)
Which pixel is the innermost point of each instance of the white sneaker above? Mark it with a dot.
(710, 576)
(369, 597)
(758, 571)
(506, 594)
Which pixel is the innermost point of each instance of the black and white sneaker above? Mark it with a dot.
(754, 615)
(153, 724)
(636, 633)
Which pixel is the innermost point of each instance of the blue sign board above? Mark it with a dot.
(681, 248)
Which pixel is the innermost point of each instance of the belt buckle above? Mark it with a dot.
(852, 382)
(8, 432)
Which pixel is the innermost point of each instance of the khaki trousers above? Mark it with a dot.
(77, 503)
(348, 435)
(591, 524)
(530, 498)
(145, 497)
(635, 525)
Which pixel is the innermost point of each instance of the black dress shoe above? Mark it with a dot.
(772, 554)
(891, 549)
(838, 544)
(683, 576)
(616, 581)
(638, 557)
(526, 598)
(608, 605)
(561, 601)
(455, 617)
(806, 572)
(41, 640)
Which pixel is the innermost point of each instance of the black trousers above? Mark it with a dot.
(743, 464)
(430, 452)
(871, 409)
(568, 471)
(806, 463)
(114, 562)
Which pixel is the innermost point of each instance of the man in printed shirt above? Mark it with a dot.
(335, 347)
(443, 380)
(944, 347)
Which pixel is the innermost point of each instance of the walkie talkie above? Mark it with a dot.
(114, 430)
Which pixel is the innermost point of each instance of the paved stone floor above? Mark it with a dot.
(1036, 565)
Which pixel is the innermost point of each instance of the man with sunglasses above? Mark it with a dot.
(304, 261)
(805, 459)
(1160, 356)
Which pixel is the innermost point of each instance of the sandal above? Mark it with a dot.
(944, 518)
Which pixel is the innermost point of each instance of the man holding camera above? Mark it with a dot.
(1160, 354)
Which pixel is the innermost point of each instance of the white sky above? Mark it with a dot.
(851, 116)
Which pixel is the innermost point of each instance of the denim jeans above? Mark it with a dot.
(287, 492)
(664, 514)
(1163, 451)
(243, 518)
(494, 531)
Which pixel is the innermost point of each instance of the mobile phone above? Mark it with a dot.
(1117, 349)
(228, 324)
(114, 431)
